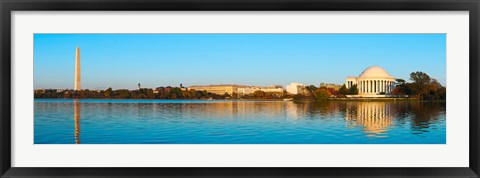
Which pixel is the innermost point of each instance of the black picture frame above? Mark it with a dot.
(7, 6)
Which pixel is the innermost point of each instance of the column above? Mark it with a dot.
(373, 85)
(378, 86)
(367, 82)
(364, 83)
(369, 86)
(388, 87)
(383, 85)
(361, 86)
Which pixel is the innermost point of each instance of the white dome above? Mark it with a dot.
(375, 72)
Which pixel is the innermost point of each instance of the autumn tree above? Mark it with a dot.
(322, 94)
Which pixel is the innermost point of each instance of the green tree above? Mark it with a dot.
(343, 90)
(353, 90)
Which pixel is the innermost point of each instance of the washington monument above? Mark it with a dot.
(77, 69)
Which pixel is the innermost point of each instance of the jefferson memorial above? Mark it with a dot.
(372, 81)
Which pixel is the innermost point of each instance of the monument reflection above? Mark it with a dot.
(76, 118)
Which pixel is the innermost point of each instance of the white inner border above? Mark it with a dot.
(452, 154)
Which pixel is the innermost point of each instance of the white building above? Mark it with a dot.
(252, 89)
(372, 81)
(295, 88)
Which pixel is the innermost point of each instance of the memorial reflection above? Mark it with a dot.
(76, 118)
(374, 117)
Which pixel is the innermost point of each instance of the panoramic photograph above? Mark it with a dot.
(239, 88)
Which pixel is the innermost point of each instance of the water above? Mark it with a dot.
(63, 121)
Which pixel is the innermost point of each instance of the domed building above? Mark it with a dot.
(372, 81)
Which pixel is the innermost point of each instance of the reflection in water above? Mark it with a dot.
(230, 110)
(76, 118)
(193, 121)
(374, 117)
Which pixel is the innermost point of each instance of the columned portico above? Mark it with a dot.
(373, 81)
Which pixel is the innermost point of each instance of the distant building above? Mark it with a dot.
(295, 88)
(372, 81)
(139, 86)
(330, 85)
(217, 89)
(251, 89)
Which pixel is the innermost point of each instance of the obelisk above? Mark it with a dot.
(77, 69)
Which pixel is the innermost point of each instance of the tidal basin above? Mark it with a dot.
(98, 121)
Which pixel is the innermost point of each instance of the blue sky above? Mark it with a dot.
(123, 60)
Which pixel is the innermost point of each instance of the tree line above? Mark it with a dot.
(144, 93)
(422, 87)
(159, 93)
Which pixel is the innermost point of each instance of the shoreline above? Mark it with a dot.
(329, 100)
